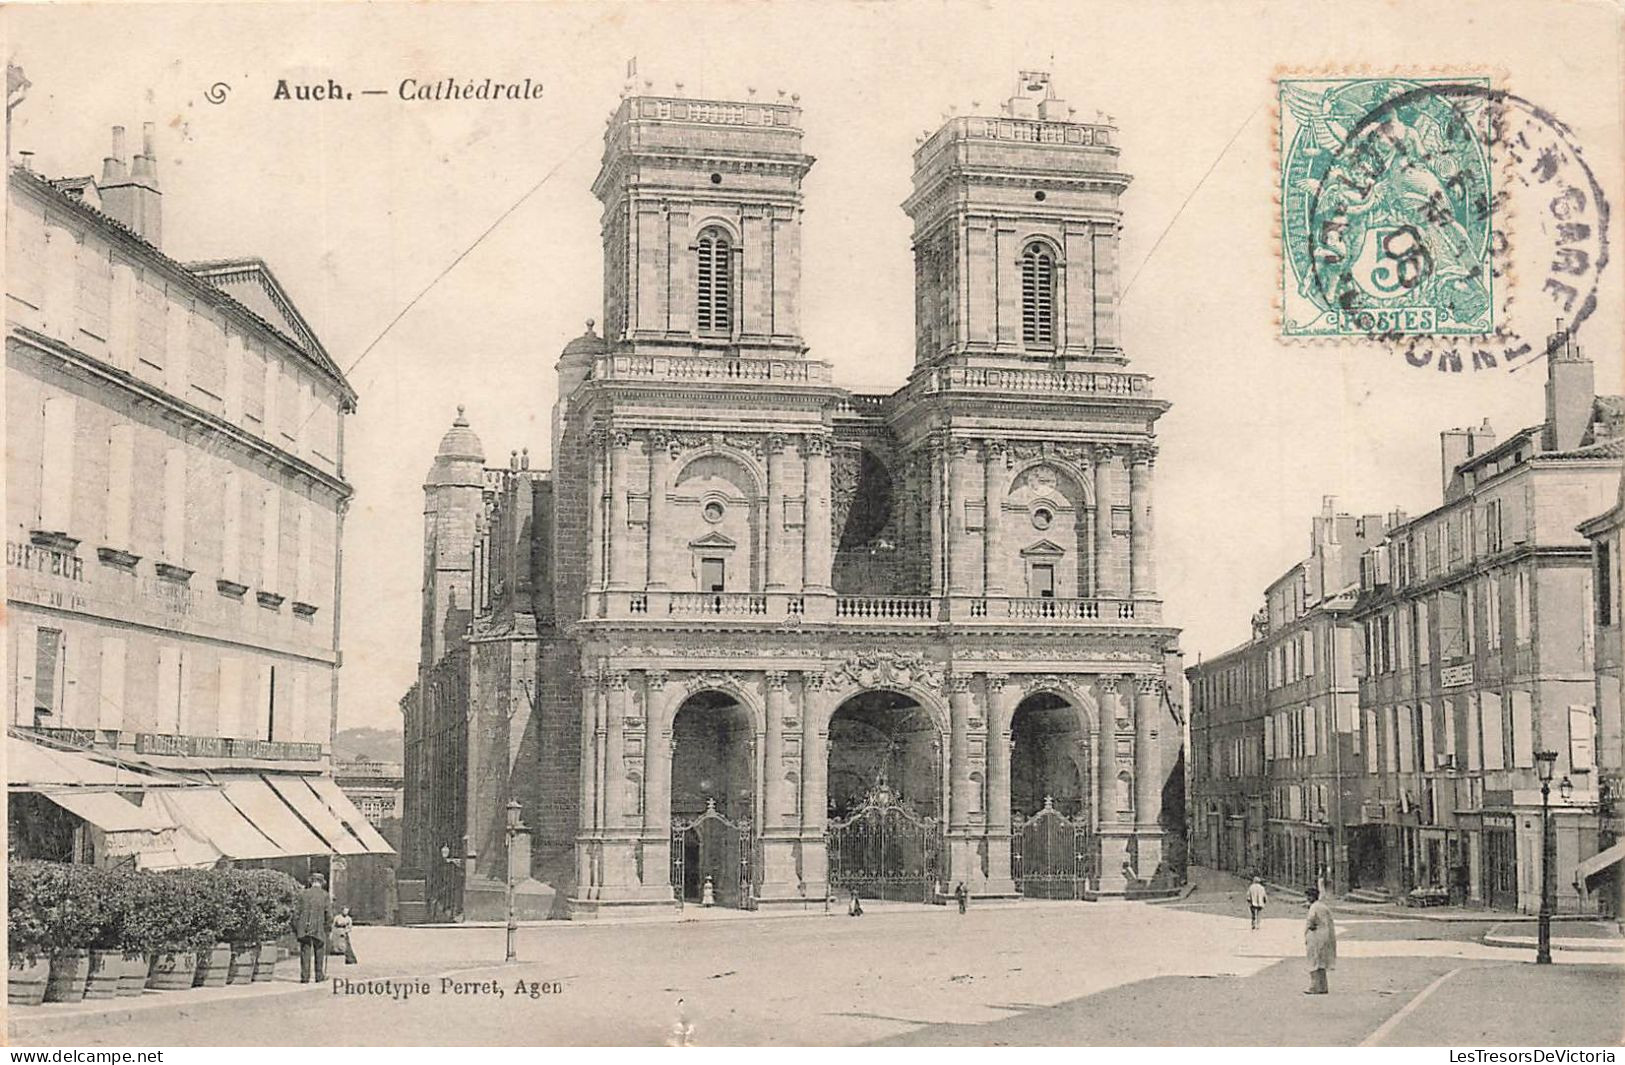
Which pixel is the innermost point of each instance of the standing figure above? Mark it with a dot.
(708, 893)
(341, 936)
(312, 925)
(856, 908)
(961, 895)
(1256, 898)
(1319, 943)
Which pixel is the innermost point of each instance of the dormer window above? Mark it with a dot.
(713, 272)
(1038, 296)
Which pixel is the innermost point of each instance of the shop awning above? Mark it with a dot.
(34, 767)
(343, 809)
(110, 813)
(1599, 862)
(207, 814)
(316, 814)
(257, 802)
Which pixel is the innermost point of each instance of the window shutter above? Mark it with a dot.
(231, 697)
(169, 689)
(174, 543)
(1582, 739)
(22, 668)
(270, 539)
(1429, 756)
(1475, 750)
(1523, 730)
(302, 571)
(120, 484)
(110, 710)
(56, 467)
(231, 527)
(1489, 714)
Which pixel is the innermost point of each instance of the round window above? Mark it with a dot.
(716, 179)
(712, 511)
(1039, 196)
(1043, 517)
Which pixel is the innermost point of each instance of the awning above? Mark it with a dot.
(110, 813)
(257, 802)
(343, 809)
(31, 766)
(212, 818)
(316, 814)
(1599, 862)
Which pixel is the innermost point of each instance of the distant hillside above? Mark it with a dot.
(379, 745)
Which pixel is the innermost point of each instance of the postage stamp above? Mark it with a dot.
(1387, 207)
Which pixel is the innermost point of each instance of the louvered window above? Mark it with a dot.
(1038, 296)
(713, 311)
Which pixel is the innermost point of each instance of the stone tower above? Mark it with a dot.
(1016, 224)
(452, 503)
(702, 227)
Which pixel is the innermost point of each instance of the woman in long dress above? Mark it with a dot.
(1319, 942)
(341, 937)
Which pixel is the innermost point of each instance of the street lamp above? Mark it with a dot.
(514, 828)
(1545, 763)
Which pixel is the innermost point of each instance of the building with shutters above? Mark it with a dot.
(175, 500)
(1274, 771)
(1480, 651)
(1600, 874)
(758, 637)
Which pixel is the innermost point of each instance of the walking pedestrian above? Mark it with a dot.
(961, 895)
(1256, 898)
(312, 925)
(341, 936)
(856, 908)
(1319, 942)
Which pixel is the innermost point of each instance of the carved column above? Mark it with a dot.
(1142, 575)
(587, 816)
(1002, 699)
(993, 517)
(960, 707)
(620, 539)
(1115, 829)
(1105, 573)
(962, 572)
(778, 555)
(778, 839)
(814, 785)
(816, 543)
(660, 456)
(1148, 773)
(937, 506)
(597, 441)
(615, 752)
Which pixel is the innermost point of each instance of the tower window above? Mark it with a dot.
(713, 308)
(1038, 296)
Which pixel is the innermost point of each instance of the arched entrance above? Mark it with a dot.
(713, 800)
(1054, 852)
(885, 798)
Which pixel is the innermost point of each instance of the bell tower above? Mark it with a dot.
(1016, 224)
(702, 227)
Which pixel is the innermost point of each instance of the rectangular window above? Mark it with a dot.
(1429, 756)
(231, 697)
(1605, 584)
(56, 466)
(1520, 606)
(169, 690)
(1492, 526)
(1489, 716)
(1309, 654)
(1523, 730)
(110, 710)
(713, 573)
(1391, 739)
(1043, 581)
(304, 568)
(1449, 722)
(1475, 750)
(270, 540)
(1582, 739)
(120, 485)
(231, 526)
(1424, 649)
(1407, 752)
(1371, 741)
(1492, 612)
(49, 657)
(174, 544)
(1469, 617)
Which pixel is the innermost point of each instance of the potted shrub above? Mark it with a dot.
(241, 926)
(166, 928)
(207, 905)
(107, 949)
(74, 913)
(25, 933)
(134, 959)
(276, 895)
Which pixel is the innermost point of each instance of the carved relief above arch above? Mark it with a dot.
(1066, 688)
(905, 674)
(695, 452)
(684, 686)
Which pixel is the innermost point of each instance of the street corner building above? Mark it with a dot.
(758, 640)
(175, 501)
(1470, 641)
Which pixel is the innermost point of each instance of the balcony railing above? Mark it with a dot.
(886, 607)
(711, 368)
(869, 610)
(1039, 382)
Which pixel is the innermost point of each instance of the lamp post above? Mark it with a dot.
(1545, 763)
(514, 828)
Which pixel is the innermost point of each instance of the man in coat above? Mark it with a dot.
(313, 925)
(1256, 898)
(1319, 942)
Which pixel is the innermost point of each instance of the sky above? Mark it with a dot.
(360, 205)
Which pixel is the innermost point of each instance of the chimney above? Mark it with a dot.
(1571, 393)
(114, 170)
(135, 199)
(1480, 439)
(1455, 447)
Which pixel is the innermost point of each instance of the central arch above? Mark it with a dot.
(1052, 799)
(885, 792)
(713, 799)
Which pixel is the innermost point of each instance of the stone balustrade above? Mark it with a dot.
(710, 368)
(886, 607)
(871, 610)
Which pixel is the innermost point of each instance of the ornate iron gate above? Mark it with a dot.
(712, 847)
(1052, 856)
(884, 851)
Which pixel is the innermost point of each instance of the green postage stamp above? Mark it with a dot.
(1386, 207)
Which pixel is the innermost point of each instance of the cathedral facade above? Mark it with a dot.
(756, 639)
